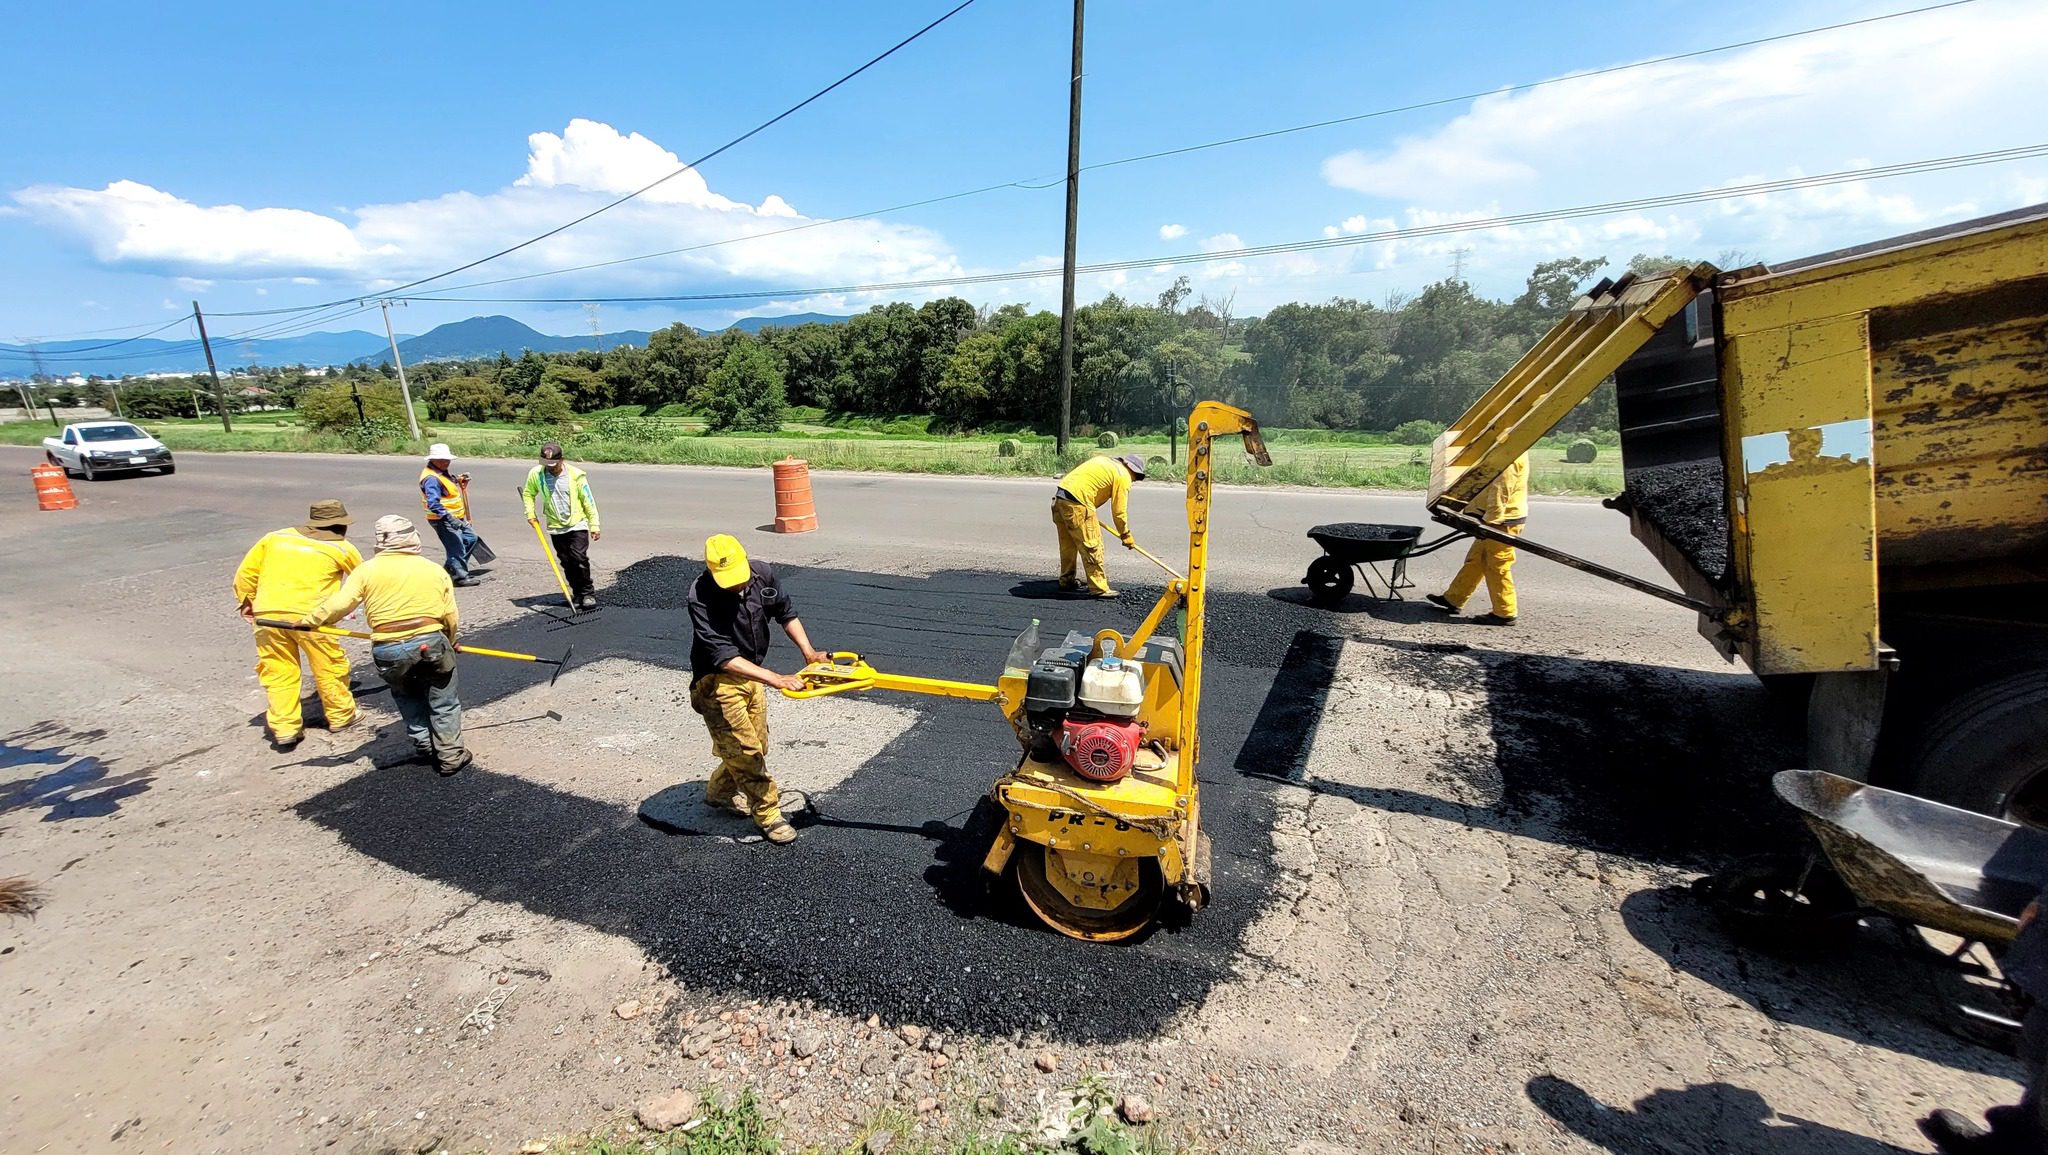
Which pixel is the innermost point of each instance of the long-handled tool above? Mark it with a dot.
(547, 550)
(1170, 571)
(559, 664)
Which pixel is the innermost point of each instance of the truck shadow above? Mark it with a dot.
(1703, 1117)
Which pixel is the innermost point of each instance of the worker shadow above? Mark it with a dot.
(1046, 589)
(1704, 1117)
(74, 785)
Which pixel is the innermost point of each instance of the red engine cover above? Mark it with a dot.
(1100, 751)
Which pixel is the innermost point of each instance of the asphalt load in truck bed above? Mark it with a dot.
(881, 905)
(1686, 502)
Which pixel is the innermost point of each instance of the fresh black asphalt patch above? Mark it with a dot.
(880, 908)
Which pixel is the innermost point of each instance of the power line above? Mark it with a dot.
(698, 163)
(1032, 185)
(1542, 216)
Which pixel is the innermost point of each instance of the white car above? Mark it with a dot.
(97, 448)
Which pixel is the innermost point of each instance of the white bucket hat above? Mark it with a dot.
(439, 452)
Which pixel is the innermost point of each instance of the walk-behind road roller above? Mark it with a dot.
(1102, 817)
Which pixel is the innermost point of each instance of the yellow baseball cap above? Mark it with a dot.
(726, 558)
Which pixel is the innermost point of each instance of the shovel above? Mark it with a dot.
(559, 664)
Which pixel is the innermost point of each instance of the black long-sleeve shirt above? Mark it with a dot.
(727, 624)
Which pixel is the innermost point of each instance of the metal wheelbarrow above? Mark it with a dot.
(1362, 547)
(1895, 856)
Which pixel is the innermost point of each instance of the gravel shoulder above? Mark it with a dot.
(1451, 862)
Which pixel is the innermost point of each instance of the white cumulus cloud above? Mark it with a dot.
(131, 225)
(1172, 232)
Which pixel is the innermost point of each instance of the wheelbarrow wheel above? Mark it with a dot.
(1782, 905)
(1328, 581)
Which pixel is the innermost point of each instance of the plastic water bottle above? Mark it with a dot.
(1023, 652)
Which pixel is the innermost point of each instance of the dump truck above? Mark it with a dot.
(1842, 464)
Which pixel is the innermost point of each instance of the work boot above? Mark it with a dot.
(1492, 620)
(737, 803)
(780, 832)
(286, 745)
(1105, 594)
(468, 581)
(1069, 586)
(450, 769)
(586, 600)
(1441, 602)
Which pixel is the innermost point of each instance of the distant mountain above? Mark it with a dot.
(756, 324)
(457, 340)
(490, 336)
(105, 358)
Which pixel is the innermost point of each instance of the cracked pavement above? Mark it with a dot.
(1451, 912)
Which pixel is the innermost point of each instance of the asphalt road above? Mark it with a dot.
(1401, 804)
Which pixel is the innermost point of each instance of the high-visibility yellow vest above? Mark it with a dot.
(451, 495)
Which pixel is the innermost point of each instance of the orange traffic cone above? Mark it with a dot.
(794, 512)
(53, 491)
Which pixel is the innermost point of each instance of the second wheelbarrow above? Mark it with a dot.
(1362, 547)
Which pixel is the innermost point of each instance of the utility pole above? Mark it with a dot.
(1073, 221)
(412, 420)
(219, 398)
(1458, 257)
(41, 381)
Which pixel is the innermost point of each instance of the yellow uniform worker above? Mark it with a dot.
(1505, 504)
(410, 602)
(283, 575)
(1086, 486)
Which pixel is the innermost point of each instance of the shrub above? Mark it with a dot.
(548, 405)
(625, 427)
(1581, 451)
(332, 408)
(456, 418)
(745, 392)
(1156, 466)
(1106, 440)
(1008, 447)
(1415, 433)
(472, 396)
(380, 435)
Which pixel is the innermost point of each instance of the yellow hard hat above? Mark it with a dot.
(726, 558)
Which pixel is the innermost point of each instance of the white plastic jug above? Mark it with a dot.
(1112, 685)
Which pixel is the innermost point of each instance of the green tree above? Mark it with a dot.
(523, 376)
(679, 361)
(548, 405)
(478, 398)
(586, 389)
(333, 407)
(745, 391)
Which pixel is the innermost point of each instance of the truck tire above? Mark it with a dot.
(1987, 750)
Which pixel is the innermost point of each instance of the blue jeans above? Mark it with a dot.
(458, 543)
(421, 674)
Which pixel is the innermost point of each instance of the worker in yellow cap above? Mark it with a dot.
(1086, 486)
(285, 574)
(410, 602)
(1504, 505)
(731, 604)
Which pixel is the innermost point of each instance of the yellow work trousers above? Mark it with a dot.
(1491, 561)
(1080, 537)
(277, 667)
(735, 710)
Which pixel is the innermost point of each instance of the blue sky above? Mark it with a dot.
(268, 156)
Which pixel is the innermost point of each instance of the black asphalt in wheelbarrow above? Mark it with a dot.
(1361, 547)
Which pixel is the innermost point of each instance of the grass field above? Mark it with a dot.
(1300, 457)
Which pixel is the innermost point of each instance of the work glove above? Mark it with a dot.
(1130, 542)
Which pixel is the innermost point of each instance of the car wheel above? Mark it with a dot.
(170, 469)
(85, 466)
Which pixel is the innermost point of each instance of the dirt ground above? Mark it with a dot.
(1451, 909)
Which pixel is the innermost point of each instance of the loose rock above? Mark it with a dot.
(668, 1112)
(1047, 1062)
(806, 1042)
(1135, 1109)
(696, 1047)
(911, 1034)
(878, 1143)
(630, 1009)
(533, 1147)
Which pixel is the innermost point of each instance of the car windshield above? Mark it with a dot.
(111, 433)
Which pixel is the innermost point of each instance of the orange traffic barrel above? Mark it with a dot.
(52, 490)
(794, 512)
